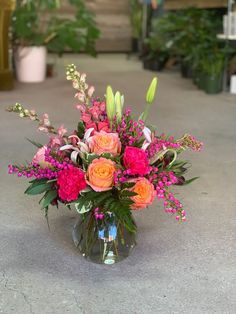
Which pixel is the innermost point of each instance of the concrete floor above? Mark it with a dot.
(188, 268)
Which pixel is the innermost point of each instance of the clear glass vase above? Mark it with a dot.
(103, 241)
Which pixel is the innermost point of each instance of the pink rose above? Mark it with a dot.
(103, 142)
(135, 160)
(39, 158)
(103, 126)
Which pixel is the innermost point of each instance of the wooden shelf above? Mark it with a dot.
(228, 37)
(204, 4)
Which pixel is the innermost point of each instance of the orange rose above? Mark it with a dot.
(103, 142)
(145, 193)
(100, 174)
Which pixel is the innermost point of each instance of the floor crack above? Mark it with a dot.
(17, 291)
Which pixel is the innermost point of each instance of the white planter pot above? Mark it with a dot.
(233, 84)
(30, 64)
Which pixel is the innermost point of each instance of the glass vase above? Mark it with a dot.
(103, 241)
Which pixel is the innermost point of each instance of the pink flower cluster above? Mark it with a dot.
(161, 143)
(130, 131)
(95, 116)
(98, 214)
(71, 182)
(136, 161)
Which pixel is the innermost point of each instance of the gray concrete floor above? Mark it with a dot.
(188, 268)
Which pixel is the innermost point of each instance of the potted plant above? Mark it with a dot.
(212, 66)
(36, 28)
(158, 50)
(136, 14)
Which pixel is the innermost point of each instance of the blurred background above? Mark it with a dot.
(194, 36)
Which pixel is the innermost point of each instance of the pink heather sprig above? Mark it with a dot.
(171, 204)
(164, 180)
(98, 214)
(189, 141)
(162, 143)
(33, 170)
(130, 131)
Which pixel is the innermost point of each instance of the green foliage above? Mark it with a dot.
(189, 34)
(81, 129)
(35, 23)
(48, 197)
(39, 186)
(136, 15)
(190, 180)
(112, 201)
(35, 143)
(75, 34)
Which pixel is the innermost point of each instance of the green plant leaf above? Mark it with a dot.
(38, 188)
(190, 180)
(34, 143)
(48, 198)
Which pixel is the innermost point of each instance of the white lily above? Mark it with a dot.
(148, 139)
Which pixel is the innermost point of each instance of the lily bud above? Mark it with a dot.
(119, 106)
(150, 96)
(122, 100)
(151, 92)
(110, 104)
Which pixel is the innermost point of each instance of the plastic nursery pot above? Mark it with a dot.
(30, 63)
(135, 45)
(195, 77)
(186, 69)
(201, 81)
(213, 84)
(146, 64)
(157, 65)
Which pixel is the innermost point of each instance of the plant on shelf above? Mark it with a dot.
(36, 27)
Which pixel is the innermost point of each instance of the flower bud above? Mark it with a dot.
(110, 104)
(151, 92)
(119, 106)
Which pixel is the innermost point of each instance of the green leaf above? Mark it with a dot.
(81, 129)
(128, 185)
(127, 193)
(48, 198)
(86, 207)
(34, 143)
(38, 188)
(190, 180)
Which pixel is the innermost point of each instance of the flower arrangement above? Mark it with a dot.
(109, 166)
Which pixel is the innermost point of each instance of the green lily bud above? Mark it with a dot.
(110, 104)
(150, 96)
(122, 100)
(119, 106)
(151, 92)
